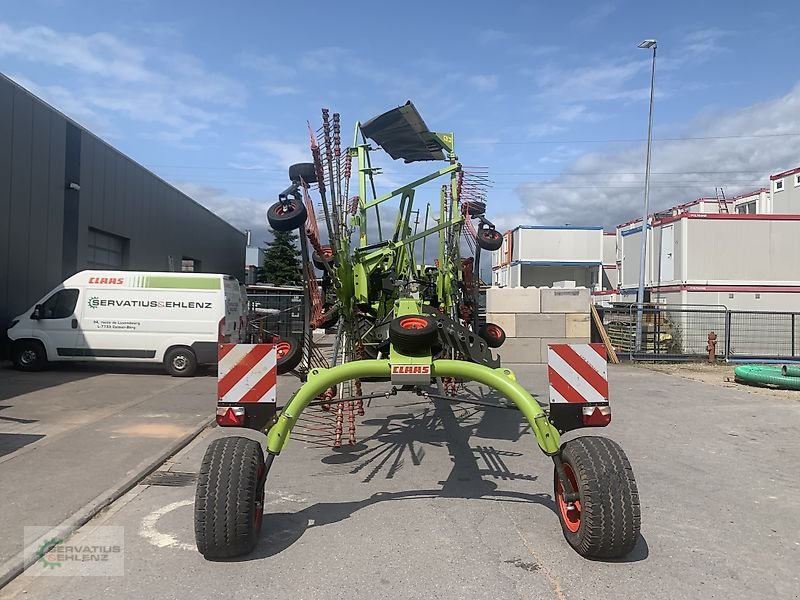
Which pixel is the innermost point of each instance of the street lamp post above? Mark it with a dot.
(646, 44)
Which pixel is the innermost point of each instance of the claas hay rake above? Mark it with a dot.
(404, 308)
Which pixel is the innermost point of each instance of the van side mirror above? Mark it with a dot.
(37, 312)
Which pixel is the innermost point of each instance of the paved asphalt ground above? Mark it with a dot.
(446, 501)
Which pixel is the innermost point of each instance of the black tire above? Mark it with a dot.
(332, 317)
(413, 334)
(229, 501)
(492, 334)
(489, 239)
(180, 362)
(605, 522)
(290, 353)
(326, 258)
(475, 208)
(427, 309)
(29, 355)
(306, 171)
(286, 217)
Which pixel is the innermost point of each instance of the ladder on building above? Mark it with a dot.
(721, 201)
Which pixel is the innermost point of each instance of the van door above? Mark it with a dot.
(57, 325)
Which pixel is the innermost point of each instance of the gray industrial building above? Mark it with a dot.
(69, 201)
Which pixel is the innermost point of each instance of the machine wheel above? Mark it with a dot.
(306, 171)
(327, 257)
(605, 522)
(29, 355)
(289, 354)
(413, 333)
(492, 334)
(229, 502)
(180, 362)
(332, 316)
(286, 217)
(489, 239)
(475, 208)
(428, 309)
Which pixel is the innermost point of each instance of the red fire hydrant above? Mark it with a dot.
(712, 347)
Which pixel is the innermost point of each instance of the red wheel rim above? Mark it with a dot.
(570, 514)
(283, 210)
(282, 348)
(327, 251)
(491, 234)
(494, 331)
(258, 512)
(413, 323)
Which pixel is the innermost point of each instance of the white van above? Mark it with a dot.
(177, 319)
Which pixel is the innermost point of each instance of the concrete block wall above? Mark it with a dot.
(535, 317)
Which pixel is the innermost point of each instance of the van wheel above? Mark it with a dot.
(29, 355)
(180, 362)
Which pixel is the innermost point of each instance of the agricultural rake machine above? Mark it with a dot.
(404, 320)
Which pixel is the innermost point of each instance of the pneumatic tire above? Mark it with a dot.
(29, 355)
(306, 171)
(180, 362)
(289, 352)
(229, 501)
(327, 257)
(492, 334)
(287, 216)
(605, 521)
(413, 334)
(489, 239)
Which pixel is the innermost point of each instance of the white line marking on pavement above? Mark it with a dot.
(149, 531)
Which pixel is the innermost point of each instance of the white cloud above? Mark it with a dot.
(483, 83)
(271, 154)
(595, 14)
(110, 77)
(490, 36)
(607, 188)
(281, 90)
(241, 212)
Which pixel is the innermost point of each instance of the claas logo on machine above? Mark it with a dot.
(411, 369)
(107, 280)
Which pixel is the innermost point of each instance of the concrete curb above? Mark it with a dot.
(22, 560)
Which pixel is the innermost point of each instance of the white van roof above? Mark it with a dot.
(148, 280)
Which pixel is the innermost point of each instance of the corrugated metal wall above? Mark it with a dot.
(44, 226)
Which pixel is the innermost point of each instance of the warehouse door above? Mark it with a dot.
(107, 251)
(667, 267)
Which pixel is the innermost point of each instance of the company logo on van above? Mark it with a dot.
(95, 302)
(107, 280)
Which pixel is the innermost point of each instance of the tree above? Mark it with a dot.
(281, 260)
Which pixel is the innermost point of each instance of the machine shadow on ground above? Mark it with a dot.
(384, 453)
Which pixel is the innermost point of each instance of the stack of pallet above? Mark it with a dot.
(535, 317)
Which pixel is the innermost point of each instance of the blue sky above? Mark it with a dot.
(552, 97)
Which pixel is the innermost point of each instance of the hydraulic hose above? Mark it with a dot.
(773, 376)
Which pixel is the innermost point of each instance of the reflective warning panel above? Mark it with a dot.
(247, 373)
(578, 373)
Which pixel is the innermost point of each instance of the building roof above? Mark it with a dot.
(784, 174)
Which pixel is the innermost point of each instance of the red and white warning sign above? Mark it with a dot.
(577, 373)
(247, 373)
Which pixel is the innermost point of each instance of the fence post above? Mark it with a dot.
(727, 334)
(793, 316)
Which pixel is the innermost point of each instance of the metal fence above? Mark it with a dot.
(276, 313)
(680, 332)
